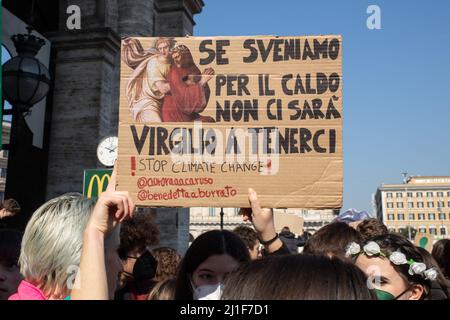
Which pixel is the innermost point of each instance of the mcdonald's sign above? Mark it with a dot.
(95, 182)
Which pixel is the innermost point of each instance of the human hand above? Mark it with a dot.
(207, 74)
(111, 209)
(261, 218)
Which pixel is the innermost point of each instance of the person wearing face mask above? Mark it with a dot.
(139, 265)
(214, 254)
(394, 267)
(297, 277)
(139, 281)
(207, 262)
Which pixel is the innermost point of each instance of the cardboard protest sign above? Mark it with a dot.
(293, 221)
(424, 240)
(202, 119)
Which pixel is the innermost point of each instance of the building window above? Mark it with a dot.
(441, 216)
(419, 194)
(389, 195)
(399, 204)
(422, 230)
(410, 194)
(399, 194)
(421, 216)
(236, 211)
(430, 204)
(433, 231)
(411, 216)
(390, 216)
(429, 194)
(3, 173)
(440, 194)
(448, 204)
(390, 205)
(443, 231)
(419, 204)
(401, 216)
(410, 204)
(448, 194)
(431, 216)
(440, 204)
(212, 212)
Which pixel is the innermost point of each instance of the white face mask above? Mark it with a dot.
(208, 292)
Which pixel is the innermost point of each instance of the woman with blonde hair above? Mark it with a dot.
(51, 248)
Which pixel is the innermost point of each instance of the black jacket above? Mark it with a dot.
(290, 241)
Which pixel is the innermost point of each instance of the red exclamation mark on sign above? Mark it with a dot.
(133, 165)
(269, 165)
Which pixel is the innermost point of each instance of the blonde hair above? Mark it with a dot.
(52, 242)
(163, 290)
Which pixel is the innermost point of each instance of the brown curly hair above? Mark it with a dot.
(168, 260)
(370, 228)
(248, 235)
(137, 234)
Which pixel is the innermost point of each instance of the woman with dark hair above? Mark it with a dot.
(395, 267)
(441, 253)
(331, 240)
(209, 259)
(297, 277)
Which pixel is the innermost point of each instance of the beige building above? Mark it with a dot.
(314, 219)
(422, 203)
(204, 219)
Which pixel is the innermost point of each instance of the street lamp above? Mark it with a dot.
(26, 80)
(405, 181)
(442, 221)
(221, 218)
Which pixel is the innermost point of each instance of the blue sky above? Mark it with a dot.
(396, 81)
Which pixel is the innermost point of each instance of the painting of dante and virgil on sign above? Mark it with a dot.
(165, 85)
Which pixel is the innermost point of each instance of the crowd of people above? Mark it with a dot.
(76, 249)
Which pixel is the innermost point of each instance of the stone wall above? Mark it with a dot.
(86, 88)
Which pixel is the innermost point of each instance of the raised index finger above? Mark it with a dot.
(113, 179)
(254, 202)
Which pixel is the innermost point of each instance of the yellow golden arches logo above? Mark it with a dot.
(100, 184)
